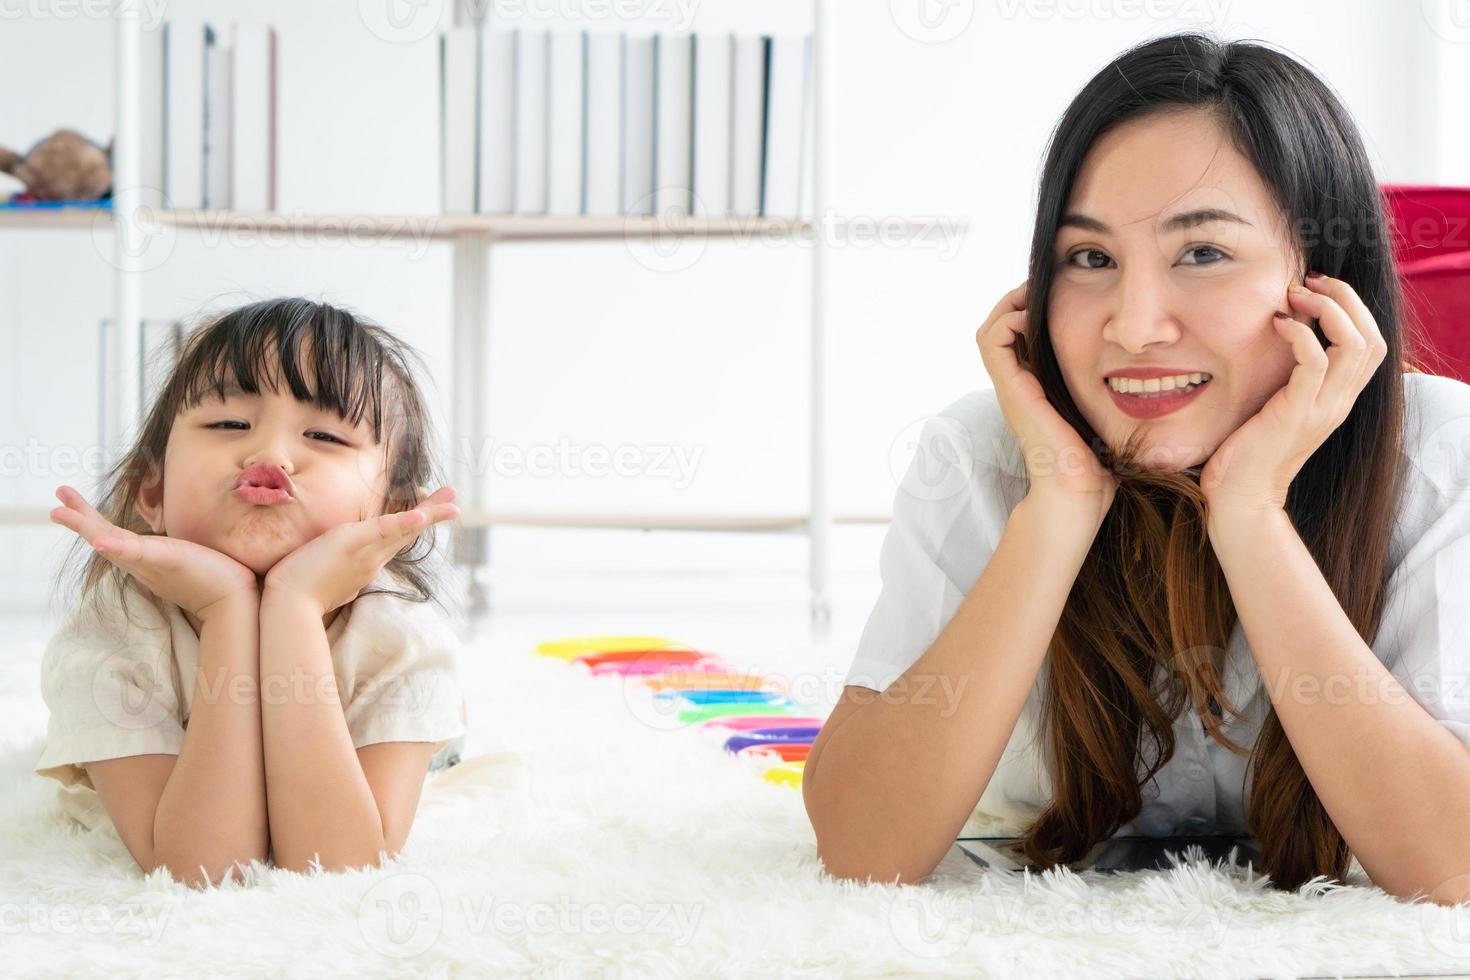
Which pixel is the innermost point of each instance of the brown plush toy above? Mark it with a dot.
(65, 166)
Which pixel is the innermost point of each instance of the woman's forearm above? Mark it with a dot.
(212, 811)
(899, 776)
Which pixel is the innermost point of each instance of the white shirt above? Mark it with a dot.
(948, 516)
(119, 686)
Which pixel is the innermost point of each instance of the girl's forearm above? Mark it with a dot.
(319, 801)
(212, 811)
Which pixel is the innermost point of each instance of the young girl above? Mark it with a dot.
(1274, 537)
(255, 669)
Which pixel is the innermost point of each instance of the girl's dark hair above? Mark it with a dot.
(360, 369)
(1149, 620)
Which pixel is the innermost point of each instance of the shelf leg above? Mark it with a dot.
(125, 410)
(819, 527)
(470, 415)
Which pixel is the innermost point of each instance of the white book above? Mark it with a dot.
(530, 129)
(218, 99)
(151, 106)
(183, 120)
(497, 161)
(638, 69)
(673, 129)
(785, 125)
(602, 182)
(252, 138)
(457, 89)
(565, 120)
(713, 53)
(747, 125)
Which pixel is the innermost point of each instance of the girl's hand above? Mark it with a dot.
(1060, 465)
(332, 568)
(1254, 467)
(191, 576)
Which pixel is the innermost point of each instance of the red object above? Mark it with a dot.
(266, 475)
(785, 751)
(629, 656)
(1157, 405)
(643, 668)
(1431, 245)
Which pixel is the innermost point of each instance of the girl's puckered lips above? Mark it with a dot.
(266, 475)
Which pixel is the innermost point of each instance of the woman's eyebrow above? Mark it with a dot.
(1177, 222)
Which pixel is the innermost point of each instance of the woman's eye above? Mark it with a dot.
(1204, 248)
(1190, 251)
(330, 437)
(1087, 252)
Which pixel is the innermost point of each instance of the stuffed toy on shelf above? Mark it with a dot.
(65, 166)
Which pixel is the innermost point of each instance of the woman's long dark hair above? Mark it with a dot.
(361, 370)
(1148, 622)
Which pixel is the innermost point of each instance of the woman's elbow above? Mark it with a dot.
(867, 867)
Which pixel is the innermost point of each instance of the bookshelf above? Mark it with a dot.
(472, 238)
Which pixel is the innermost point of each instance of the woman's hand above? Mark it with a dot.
(331, 569)
(1061, 466)
(1254, 466)
(191, 576)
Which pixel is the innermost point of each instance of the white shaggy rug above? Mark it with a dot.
(583, 836)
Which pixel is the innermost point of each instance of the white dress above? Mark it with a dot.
(948, 516)
(118, 688)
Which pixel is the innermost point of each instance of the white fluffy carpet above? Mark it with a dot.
(582, 836)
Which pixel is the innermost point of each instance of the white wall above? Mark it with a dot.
(942, 118)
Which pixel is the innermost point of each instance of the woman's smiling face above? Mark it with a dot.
(336, 471)
(1135, 289)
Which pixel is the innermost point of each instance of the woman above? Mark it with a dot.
(1072, 563)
